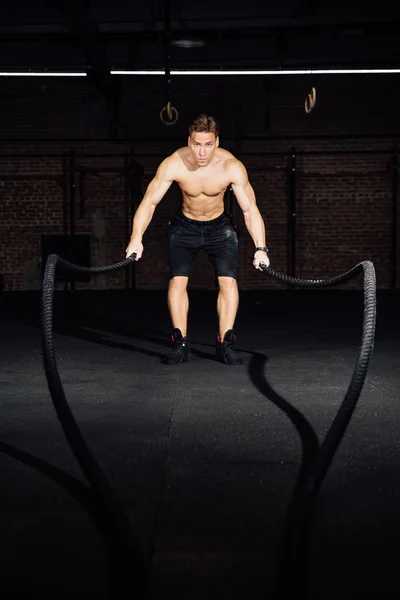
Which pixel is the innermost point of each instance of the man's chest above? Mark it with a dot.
(210, 183)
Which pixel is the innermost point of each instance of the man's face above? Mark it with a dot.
(203, 147)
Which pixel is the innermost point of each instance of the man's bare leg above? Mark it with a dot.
(178, 303)
(227, 304)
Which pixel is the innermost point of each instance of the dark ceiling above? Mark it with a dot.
(121, 34)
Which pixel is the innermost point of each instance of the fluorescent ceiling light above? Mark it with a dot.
(262, 72)
(188, 43)
(209, 72)
(40, 74)
(137, 72)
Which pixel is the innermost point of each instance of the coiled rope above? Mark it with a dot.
(132, 567)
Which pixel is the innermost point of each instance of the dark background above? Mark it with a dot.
(78, 152)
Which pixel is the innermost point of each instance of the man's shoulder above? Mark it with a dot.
(177, 159)
(171, 164)
(182, 161)
(231, 162)
(180, 154)
(234, 169)
(224, 154)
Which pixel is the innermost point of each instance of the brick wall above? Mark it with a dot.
(343, 201)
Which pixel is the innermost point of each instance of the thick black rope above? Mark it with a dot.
(132, 567)
(292, 575)
(129, 571)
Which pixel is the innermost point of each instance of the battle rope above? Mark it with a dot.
(129, 567)
(133, 568)
(292, 569)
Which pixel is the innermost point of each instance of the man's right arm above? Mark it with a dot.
(155, 191)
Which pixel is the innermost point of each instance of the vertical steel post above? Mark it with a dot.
(72, 186)
(292, 225)
(394, 216)
(65, 193)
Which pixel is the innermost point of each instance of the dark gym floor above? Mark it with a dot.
(203, 461)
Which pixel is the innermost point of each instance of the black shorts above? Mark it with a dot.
(217, 237)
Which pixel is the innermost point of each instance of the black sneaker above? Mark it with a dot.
(180, 349)
(225, 352)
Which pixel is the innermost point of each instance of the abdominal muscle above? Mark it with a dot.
(203, 207)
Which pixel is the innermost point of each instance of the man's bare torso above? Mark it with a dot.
(203, 188)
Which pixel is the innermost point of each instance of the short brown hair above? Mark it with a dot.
(204, 124)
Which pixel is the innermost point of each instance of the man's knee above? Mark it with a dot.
(227, 283)
(178, 283)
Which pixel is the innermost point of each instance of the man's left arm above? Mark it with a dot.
(254, 222)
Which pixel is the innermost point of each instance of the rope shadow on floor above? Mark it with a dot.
(89, 501)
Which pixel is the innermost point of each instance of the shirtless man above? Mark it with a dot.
(203, 171)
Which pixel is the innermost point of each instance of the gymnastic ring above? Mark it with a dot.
(310, 100)
(172, 114)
